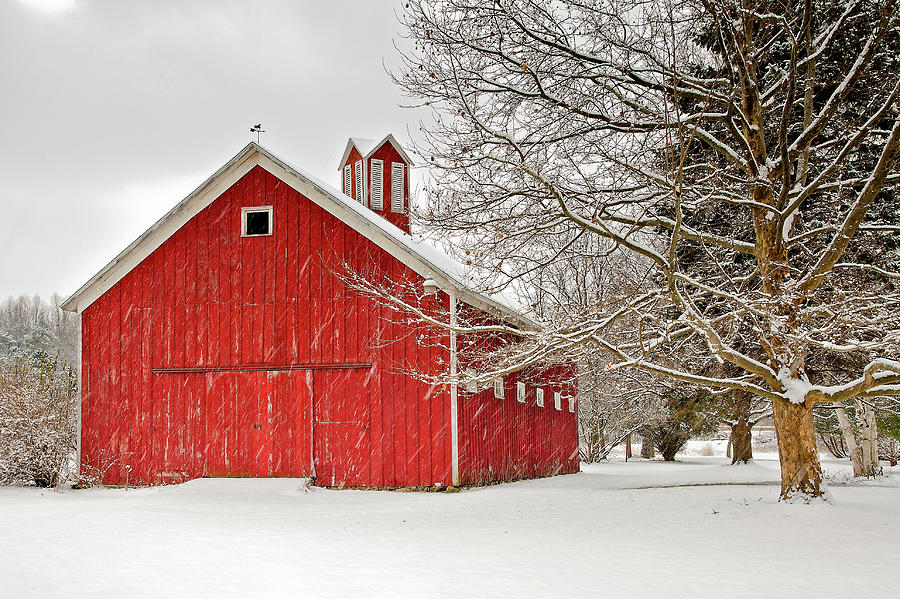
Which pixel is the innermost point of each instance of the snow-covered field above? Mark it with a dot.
(641, 529)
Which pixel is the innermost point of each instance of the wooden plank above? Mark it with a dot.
(315, 283)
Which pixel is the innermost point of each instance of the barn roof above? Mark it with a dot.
(420, 255)
(367, 147)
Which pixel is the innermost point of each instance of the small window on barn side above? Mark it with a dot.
(520, 392)
(557, 400)
(571, 403)
(539, 398)
(359, 181)
(471, 385)
(498, 387)
(348, 181)
(376, 188)
(256, 221)
(397, 187)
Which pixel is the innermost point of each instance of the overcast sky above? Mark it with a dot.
(112, 111)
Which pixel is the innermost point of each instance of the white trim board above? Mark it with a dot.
(424, 259)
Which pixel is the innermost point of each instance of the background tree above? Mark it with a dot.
(688, 414)
(758, 137)
(31, 324)
(741, 411)
(612, 406)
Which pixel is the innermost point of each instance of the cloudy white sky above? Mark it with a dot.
(111, 111)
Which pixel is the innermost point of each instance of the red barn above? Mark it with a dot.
(222, 342)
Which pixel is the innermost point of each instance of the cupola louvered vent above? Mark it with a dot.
(377, 186)
(397, 187)
(359, 181)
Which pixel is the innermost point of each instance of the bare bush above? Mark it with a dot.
(38, 420)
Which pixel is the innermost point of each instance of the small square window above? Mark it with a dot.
(572, 403)
(520, 392)
(557, 400)
(256, 221)
(498, 387)
(471, 384)
(539, 398)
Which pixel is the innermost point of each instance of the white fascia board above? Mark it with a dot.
(161, 230)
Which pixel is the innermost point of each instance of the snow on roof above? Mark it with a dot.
(367, 147)
(363, 144)
(421, 255)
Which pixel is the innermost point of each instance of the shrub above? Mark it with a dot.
(38, 419)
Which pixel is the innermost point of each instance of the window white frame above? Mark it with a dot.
(520, 392)
(539, 397)
(572, 403)
(398, 184)
(376, 188)
(254, 209)
(498, 387)
(557, 400)
(471, 386)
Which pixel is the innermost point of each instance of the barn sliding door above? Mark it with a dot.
(232, 423)
(258, 423)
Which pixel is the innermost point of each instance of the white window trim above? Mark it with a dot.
(471, 386)
(557, 401)
(498, 387)
(520, 392)
(539, 397)
(572, 403)
(348, 180)
(247, 210)
(379, 205)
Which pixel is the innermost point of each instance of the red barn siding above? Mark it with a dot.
(502, 439)
(226, 356)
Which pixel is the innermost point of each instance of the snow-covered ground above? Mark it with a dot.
(694, 528)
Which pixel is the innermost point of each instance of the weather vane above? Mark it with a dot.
(257, 128)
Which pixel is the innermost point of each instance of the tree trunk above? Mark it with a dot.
(868, 432)
(741, 442)
(593, 444)
(627, 446)
(647, 451)
(728, 447)
(668, 452)
(850, 440)
(801, 473)
(835, 445)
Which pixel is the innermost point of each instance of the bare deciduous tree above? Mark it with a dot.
(744, 149)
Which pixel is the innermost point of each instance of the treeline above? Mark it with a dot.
(31, 325)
